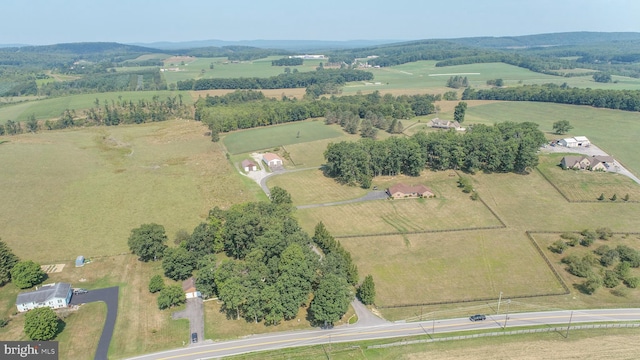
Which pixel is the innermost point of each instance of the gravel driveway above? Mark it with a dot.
(195, 314)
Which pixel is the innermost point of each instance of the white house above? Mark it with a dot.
(56, 295)
(271, 159)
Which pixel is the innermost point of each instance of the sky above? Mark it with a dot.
(42, 22)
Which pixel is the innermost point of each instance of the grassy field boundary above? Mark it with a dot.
(544, 176)
(546, 260)
(560, 330)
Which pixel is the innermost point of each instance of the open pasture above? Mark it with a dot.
(582, 185)
(451, 266)
(450, 209)
(80, 192)
(54, 107)
(274, 136)
(613, 131)
(199, 68)
(424, 76)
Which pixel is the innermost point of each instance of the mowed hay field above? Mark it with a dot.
(450, 209)
(265, 138)
(80, 192)
(582, 185)
(452, 266)
(312, 187)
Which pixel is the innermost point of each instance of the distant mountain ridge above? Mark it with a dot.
(289, 45)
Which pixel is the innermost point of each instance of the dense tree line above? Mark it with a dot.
(549, 66)
(504, 147)
(628, 100)
(287, 62)
(148, 79)
(457, 82)
(243, 110)
(282, 81)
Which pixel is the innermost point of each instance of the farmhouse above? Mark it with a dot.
(444, 124)
(593, 163)
(401, 191)
(56, 295)
(248, 165)
(271, 159)
(577, 141)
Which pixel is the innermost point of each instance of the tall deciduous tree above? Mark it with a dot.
(562, 127)
(7, 261)
(459, 112)
(156, 284)
(148, 241)
(280, 197)
(178, 263)
(367, 291)
(170, 296)
(41, 324)
(331, 300)
(26, 274)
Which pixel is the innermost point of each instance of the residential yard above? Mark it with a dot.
(583, 185)
(312, 187)
(450, 209)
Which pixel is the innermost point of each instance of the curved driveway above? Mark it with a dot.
(110, 297)
(291, 339)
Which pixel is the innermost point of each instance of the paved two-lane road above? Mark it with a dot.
(384, 331)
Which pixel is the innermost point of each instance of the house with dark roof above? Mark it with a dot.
(583, 162)
(55, 296)
(403, 191)
(189, 288)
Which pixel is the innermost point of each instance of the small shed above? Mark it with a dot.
(248, 165)
(80, 261)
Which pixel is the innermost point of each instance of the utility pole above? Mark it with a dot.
(506, 317)
(499, 299)
(570, 318)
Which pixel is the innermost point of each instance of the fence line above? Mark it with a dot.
(581, 201)
(505, 333)
(546, 259)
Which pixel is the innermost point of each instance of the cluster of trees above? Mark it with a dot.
(495, 82)
(282, 81)
(628, 100)
(504, 147)
(602, 77)
(457, 82)
(271, 266)
(149, 79)
(368, 127)
(287, 62)
(604, 258)
(23, 274)
(243, 110)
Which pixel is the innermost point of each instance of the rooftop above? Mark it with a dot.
(44, 293)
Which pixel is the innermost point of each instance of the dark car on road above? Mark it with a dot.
(194, 337)
(477, 317)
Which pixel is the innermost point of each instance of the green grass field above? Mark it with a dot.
(274, 136)
(423, 76)
(82, 191)
(312, 187)
(199, 68)
(54, 107)
(587, 185)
